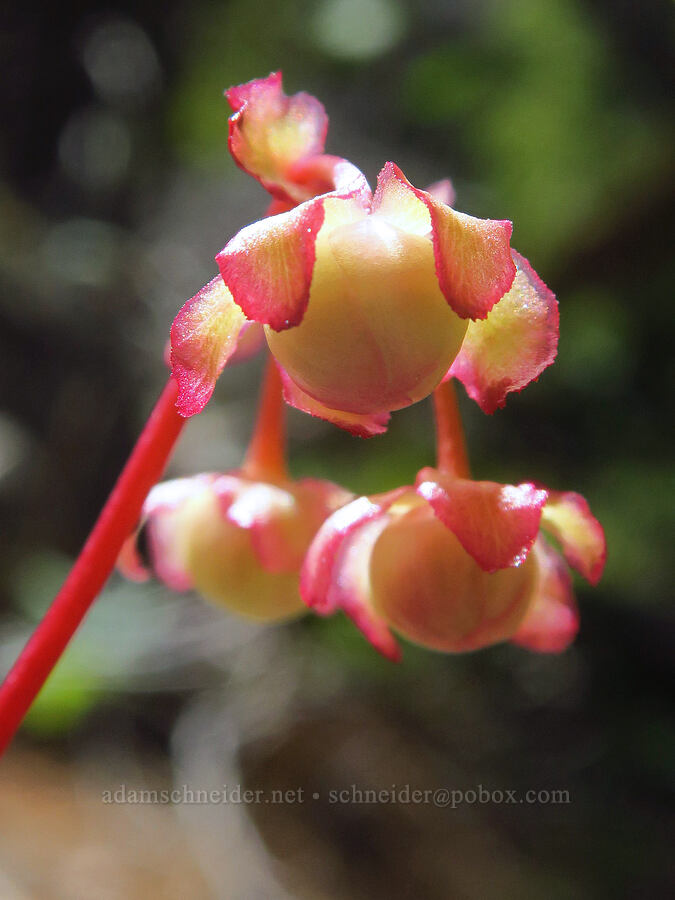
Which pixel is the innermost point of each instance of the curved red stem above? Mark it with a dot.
(450, 443)
(94, 564)
(266, 454)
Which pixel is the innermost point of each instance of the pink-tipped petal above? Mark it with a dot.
(269, 132)
(472, 256)
(281, 519)
(268, 265)
(323, 494)
(350, 589)
(361, 425)
(443, 190)
(204, 336)
(277, 206)
(397, 201)
(513, 346)
(317, 572)
(552, 620)
(159, 517)
(270, 515)
(165, 528)
(495, 523)
(165, 541)
(568, 518)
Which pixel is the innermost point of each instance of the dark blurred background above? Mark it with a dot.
(116, 191)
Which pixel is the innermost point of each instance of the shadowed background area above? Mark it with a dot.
(116, 191)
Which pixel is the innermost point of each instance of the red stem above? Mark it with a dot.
(266, 454)
(450, 443)
(94, 564)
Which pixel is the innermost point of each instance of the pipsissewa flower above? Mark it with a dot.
(368, 299)
(238, 538)
(455, 564)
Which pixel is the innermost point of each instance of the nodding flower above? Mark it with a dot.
(237, 538)
(237, 541)
(368, 300)
(455, 564)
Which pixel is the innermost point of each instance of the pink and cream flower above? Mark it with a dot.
(368, 300)
(236, 540)
(456, 565)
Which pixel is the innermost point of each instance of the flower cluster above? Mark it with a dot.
(369, 301)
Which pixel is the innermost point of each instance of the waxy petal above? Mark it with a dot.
(429, 589)
(204, 335)
(397, 201)
(335, 574)
(160, 515)
(268, 265)
(552, 621)
(317, 571)
(473, 256)
(513, 346)
(495, 523)
(270, 131)
(361, 425)
(277, 206)
(270, 514)
(568, 518)
(165, 528)
(351, 591)
(282, 520)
